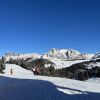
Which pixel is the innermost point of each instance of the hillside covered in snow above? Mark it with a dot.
(60, 57)
(15, 56)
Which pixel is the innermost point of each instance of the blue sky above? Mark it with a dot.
(28, 26)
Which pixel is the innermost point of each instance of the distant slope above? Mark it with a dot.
(96, 56)
(14, 56)
(63, 63)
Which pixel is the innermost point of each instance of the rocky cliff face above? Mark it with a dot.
(68, 54)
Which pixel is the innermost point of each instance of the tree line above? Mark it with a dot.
(79, 71)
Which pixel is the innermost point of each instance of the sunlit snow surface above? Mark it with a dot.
(23, 85)
(63, 64)
(18, 72)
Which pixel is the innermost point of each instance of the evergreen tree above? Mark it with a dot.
(2, 65)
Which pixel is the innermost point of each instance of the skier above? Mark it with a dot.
(11, 71)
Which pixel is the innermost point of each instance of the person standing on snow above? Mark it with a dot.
(11, 71)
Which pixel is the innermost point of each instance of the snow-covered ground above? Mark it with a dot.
(94, 80)
(23, 85)
(18, 72)
(63, 64)
(92, 64)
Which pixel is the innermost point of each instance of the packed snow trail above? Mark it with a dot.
(23, 85)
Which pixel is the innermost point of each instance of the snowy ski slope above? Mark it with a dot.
(23, 85)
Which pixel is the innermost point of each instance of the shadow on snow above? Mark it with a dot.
(31, 89)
